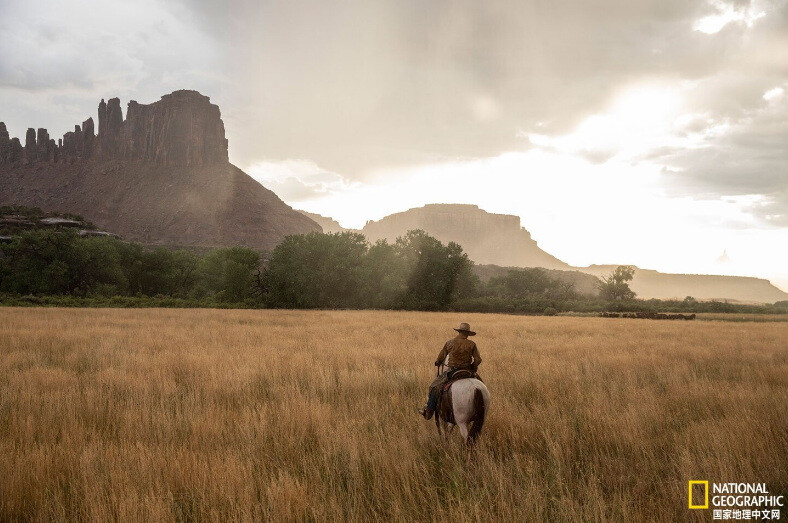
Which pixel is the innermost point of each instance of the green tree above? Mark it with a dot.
(384, 276)
(226, 274)
(166, 272)
(38, 262)
(316, 271)
(614, 287)
(60, 262)
(95, 267)
(529, 283)
(437, 273)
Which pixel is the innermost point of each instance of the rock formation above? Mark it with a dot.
(161, 176)
(188, 131)
(88, 138)
(182, 129)
(16, 153)
(30, 145)
(487, 238)
(5, 144)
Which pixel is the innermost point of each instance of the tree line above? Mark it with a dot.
(60, 262)
(335, 271)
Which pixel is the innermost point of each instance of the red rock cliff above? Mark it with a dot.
(159, 177)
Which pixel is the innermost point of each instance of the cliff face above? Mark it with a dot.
(182, 129)
(161, 176)
(487, 238)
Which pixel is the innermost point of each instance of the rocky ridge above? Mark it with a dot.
(160, 176)
(182, 129)
(488, 238)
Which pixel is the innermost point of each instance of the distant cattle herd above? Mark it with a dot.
(647, 315)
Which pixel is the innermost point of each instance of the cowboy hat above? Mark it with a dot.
(464, 327)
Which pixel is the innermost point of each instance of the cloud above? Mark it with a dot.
(727, 13)
(356, 85)
(298, 180)
(740, 153)
(60, 58)
(681, 99)
(722, 135)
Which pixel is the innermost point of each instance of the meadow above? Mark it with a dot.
(214, 415)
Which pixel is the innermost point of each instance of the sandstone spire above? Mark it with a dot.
(30, 145)
(5, 143)
(182, 129)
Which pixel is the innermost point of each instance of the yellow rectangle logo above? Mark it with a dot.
(705, 484)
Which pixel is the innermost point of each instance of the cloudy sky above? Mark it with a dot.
(621, 131)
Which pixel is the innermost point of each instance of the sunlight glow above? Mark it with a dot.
(773, 94)
(726, 14)
(626, 215)
(638, 119)
(603, 171)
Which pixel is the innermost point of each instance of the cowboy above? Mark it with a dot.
(463, 355)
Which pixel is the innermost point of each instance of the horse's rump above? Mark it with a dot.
(445, 405)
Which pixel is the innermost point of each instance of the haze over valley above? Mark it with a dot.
(161, 176)
(499, 240)
(652, 134)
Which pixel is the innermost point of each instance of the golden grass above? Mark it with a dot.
(279, 415)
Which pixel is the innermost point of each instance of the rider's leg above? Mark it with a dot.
(432, 398)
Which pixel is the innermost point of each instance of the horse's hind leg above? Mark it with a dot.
(467, 443)
(463, 431)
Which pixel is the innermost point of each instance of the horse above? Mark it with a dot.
(469, 403)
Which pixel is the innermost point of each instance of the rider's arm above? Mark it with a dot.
(476, 358)
(441, 355)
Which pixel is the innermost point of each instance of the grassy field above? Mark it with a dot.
(208, 415)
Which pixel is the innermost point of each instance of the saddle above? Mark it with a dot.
(460, 374)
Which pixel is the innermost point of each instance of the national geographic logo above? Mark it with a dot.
(705, 496)
(738, 501)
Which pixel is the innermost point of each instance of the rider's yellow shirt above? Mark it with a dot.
(461, 351)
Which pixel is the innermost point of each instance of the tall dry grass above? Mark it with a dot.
(192, 415)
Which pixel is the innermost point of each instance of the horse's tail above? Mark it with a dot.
(478, 416)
